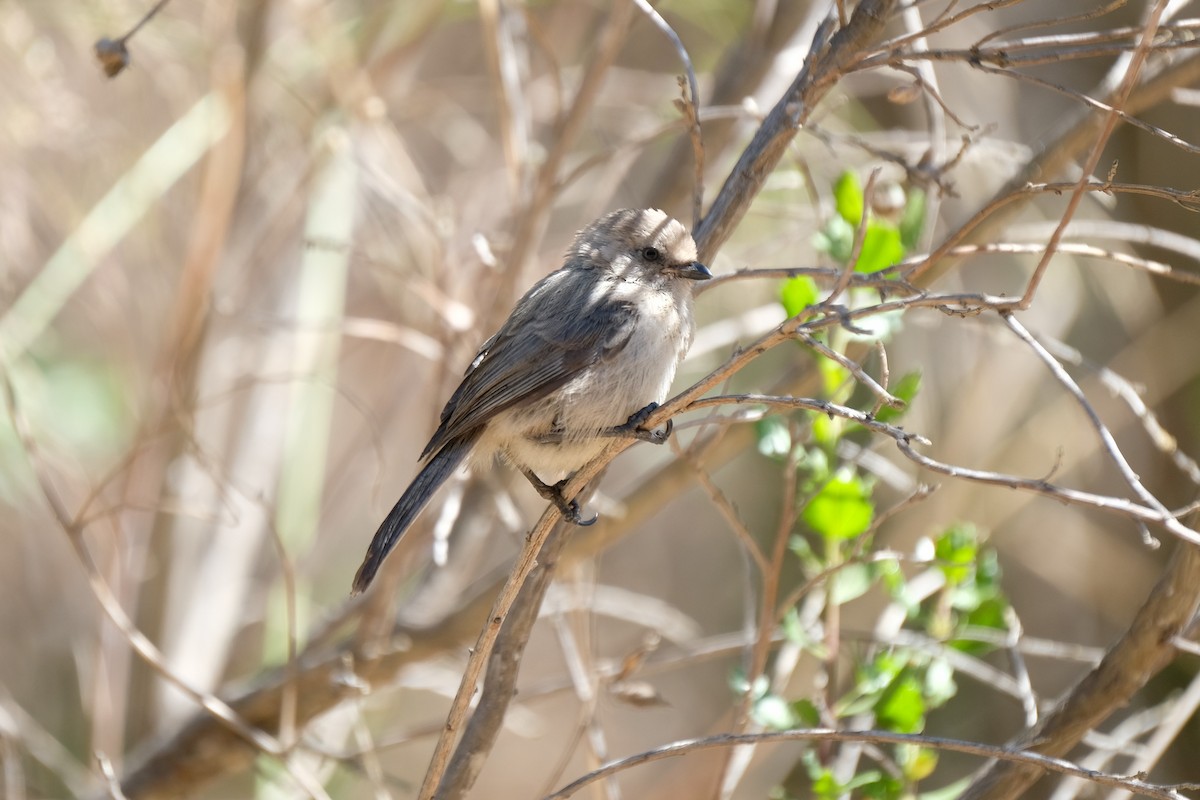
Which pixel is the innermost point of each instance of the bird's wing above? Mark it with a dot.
(562, 325)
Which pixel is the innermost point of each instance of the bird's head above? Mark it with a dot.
(640, 245)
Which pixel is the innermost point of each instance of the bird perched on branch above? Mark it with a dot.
(587, 354)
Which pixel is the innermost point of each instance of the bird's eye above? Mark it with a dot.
(651, 254)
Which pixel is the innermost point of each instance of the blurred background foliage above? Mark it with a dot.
(238, 280)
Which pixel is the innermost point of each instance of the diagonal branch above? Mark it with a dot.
(1141, 653)
(1010, 755)
(827, 61)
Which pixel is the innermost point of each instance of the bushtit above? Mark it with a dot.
(586, 354)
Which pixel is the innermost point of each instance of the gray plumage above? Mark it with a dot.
(585, 349)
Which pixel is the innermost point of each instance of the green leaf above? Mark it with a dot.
(951, 792)
(987, 569)
(877, 675)
(797, 294)
(848, 197)
(916, 762)
(956, 550)
(773, 713)
(836, 239)
(790, 625)
(827, 786)
(842, 509)
(881, 247)
(812, 765)
(902, 707)
(834, 376)
(862, 780)
(738, 683)
(800, 548)
(797, 634)
(969, 596)
(989, 614)
(891, 576)
(824, 430)
(805, 713)
(774, 436)
(885, 787)
(849, 583)
(939, 682)
(814, 462)
(913, 221)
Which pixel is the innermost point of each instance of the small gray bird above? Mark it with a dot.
(586, 354)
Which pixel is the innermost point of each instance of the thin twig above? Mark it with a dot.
(828, 58)
(149, 15)
(1075, 497)
(266, 744)
(1108, 443)
(531, 221)
(691, 105)
(1025, 758)
(732, 770)
(104, 595)
(1085, 16)
(883, 396)
(502, 668)
(860, 237)
(1146, 265)
(1123, 388)
(728, 513)
(1143, 650)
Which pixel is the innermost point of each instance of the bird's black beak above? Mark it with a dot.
(694, 271)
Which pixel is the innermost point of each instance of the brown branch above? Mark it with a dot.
(324, 682)
(1023, 758)
(740, 72)
(497, 48)
(868, 19)
(768, 600)
(204, 750)
(1107, 442)
(689, 105)
(1113, 505)
(113, 54)
(503, 667)
(1086, 16)
(1128, 82)
(531, 220)
(1062, 147)
(1041, 51)
(1146, 265)
(725, 508)
(828, 60)
(1146, 647)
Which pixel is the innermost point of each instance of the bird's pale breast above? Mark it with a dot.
(561, 433)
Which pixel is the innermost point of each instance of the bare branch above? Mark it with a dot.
(1106, 438)
(503, 665)
(1024, 759)
(690, 105)
(828, 58)
(1145, 649)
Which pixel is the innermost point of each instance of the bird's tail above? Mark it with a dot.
(415, 498)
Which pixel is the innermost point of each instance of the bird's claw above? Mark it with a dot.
(575, 518)
(633, 427)
(568, 508)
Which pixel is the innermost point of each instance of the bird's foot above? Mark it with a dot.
(554, 493)
(633, 427)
